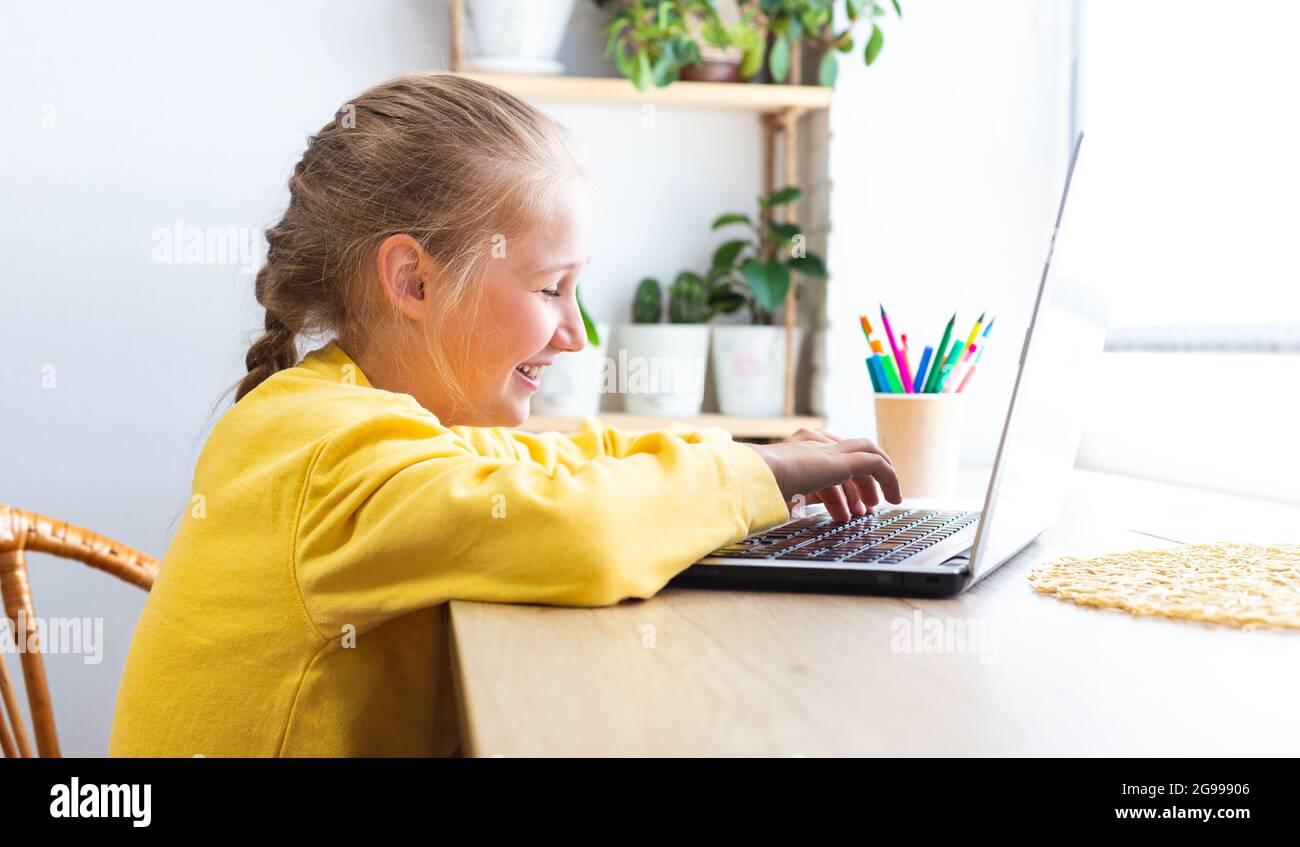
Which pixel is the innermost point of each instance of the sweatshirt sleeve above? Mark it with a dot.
(399, 512)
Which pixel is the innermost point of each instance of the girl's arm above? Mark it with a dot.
(592, 438)
(400, 513)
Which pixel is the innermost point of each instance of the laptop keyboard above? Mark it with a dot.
(885, 537)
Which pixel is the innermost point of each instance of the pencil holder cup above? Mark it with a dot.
(921, 434)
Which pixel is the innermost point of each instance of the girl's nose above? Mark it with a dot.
(571, 334)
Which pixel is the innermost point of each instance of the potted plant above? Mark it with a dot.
(517, 36)
(730, 44)
(661, 365)
(755, 272)
(656, 43)
(571, 385)
(794, 22)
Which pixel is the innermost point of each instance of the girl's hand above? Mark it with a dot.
(842, 474)
(857, 495)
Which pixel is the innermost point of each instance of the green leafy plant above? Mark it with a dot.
(745, 36)
(652, 40)
(756, 272)
(593, 335)
(793, 22)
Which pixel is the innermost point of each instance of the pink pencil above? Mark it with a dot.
(964, 369)
(902, 362)
(970, 372)
(902, 353)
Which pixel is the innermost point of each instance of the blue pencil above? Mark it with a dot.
(920, 370)
(881, 379)
(871, 372)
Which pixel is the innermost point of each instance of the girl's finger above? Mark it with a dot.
(857, 495)
(865, 462)
(835, 502)
(870, 492)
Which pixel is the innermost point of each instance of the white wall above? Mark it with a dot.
(167, 111)
(947, 158)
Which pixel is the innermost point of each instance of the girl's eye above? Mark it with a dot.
(552, 292)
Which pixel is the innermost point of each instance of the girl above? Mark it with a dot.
(436, 230)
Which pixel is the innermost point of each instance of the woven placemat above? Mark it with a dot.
(1242, 585)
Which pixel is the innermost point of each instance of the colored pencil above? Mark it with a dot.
(970, 372)
(906, 375)
(959, 373)
(903, 352)
(920, 371)
(955, 357)
(871, 372)
(949, 362)
(880, 374)
(877, 376)
(945, 369)
(866, 328)
(983, 346)
(939, 351)
(891, 373)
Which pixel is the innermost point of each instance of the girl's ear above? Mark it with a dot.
(402, 263)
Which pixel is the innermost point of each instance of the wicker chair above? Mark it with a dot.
(19, 532)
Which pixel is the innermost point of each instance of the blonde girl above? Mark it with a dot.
(435, 234)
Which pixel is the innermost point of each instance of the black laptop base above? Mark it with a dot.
(811, 580)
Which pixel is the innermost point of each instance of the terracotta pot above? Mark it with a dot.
(709, 71)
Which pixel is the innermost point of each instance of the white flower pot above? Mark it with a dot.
(660, 368)
(749, 368)
(517, 36)
(571, 385)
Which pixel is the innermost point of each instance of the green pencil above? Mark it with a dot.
(939, 352)
(945, 371)
(891, 374)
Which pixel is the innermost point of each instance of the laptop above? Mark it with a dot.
(938, 549)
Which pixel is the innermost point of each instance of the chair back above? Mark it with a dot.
(20, 532)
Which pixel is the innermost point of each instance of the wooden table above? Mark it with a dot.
(757, 673)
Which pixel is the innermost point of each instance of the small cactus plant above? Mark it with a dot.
(647, 306)
(688, 300)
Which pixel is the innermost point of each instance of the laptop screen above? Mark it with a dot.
(1059, 359)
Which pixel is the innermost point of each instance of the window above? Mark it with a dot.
(1192, 119)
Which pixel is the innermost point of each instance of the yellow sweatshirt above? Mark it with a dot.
(300, 609)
